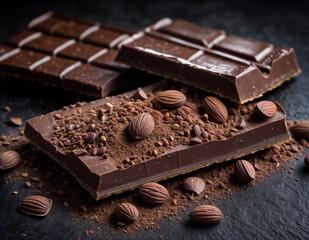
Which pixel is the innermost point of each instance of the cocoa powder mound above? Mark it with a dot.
(52, 181)
(103, 130)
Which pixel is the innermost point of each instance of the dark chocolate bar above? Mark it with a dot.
(68, 53)
(231, 66)
(92, 140)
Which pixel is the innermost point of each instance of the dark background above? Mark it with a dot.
(276, 208)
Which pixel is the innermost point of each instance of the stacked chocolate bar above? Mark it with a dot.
(68, 53)
(165, 129)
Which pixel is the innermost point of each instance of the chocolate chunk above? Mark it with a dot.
(207, 59)
(98, 174)
(140, 94)
(58, 45)
(241, 124)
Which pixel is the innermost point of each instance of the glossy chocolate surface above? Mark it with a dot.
(102, 178)
(68, 53)
(231, 66)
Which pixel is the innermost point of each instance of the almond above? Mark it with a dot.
(206, 214)
(244, 171)
(265, 109)
(300, 130)
(184, 111)
(9, 160)
(153, 193)
(141, 126)
(127, 212)
(36, 205)
(215, 109)
(194, 184)
(170, 99)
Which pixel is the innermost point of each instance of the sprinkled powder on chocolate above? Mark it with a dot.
(50, 180)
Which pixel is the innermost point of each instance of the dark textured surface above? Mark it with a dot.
(276, 208)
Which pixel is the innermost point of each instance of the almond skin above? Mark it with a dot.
(215, 109)
(265, 109)
(127, 212)
(141, 126)
(244, 171)
(300, 130)
(194, 184)
(9, 160)
(206, 214)
(153, 193)
(36, 205)
(184, 111)
(171, 99)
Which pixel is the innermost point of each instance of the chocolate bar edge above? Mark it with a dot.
(36, 138)
(125, 51)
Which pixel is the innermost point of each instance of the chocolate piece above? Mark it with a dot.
(58, 51)
(103, 176)
(233, 67)
(62, 73)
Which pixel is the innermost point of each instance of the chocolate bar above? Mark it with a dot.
(67, 53)
(230, 66)
(118, 143)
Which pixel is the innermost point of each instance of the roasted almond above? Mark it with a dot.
(9, 160)
(206, 214)
(194, 184)
(153, 193)
(170, 99)
(244, 171)
(300, 130)
(215, 109)
(141, 126)
(127, 212)
(265, 109)
(36, 205)
(184, 111)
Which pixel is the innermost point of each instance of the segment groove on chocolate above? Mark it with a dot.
(104, 171)
(231, 66)
(55, 46)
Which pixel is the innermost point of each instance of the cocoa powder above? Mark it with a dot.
(50, 180)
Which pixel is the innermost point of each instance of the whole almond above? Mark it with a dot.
(244, 171)
(9, 160)
(215, 109)
(153, 193)
(36, 205)
(170, 99)
(265, 109)
(197, 130)
(194, 184)
(141, 126)
(206, 214)
(300, 130)
(127, 212)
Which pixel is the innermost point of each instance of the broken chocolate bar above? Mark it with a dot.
(230, 66)
(94, 141)
(67, 53)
